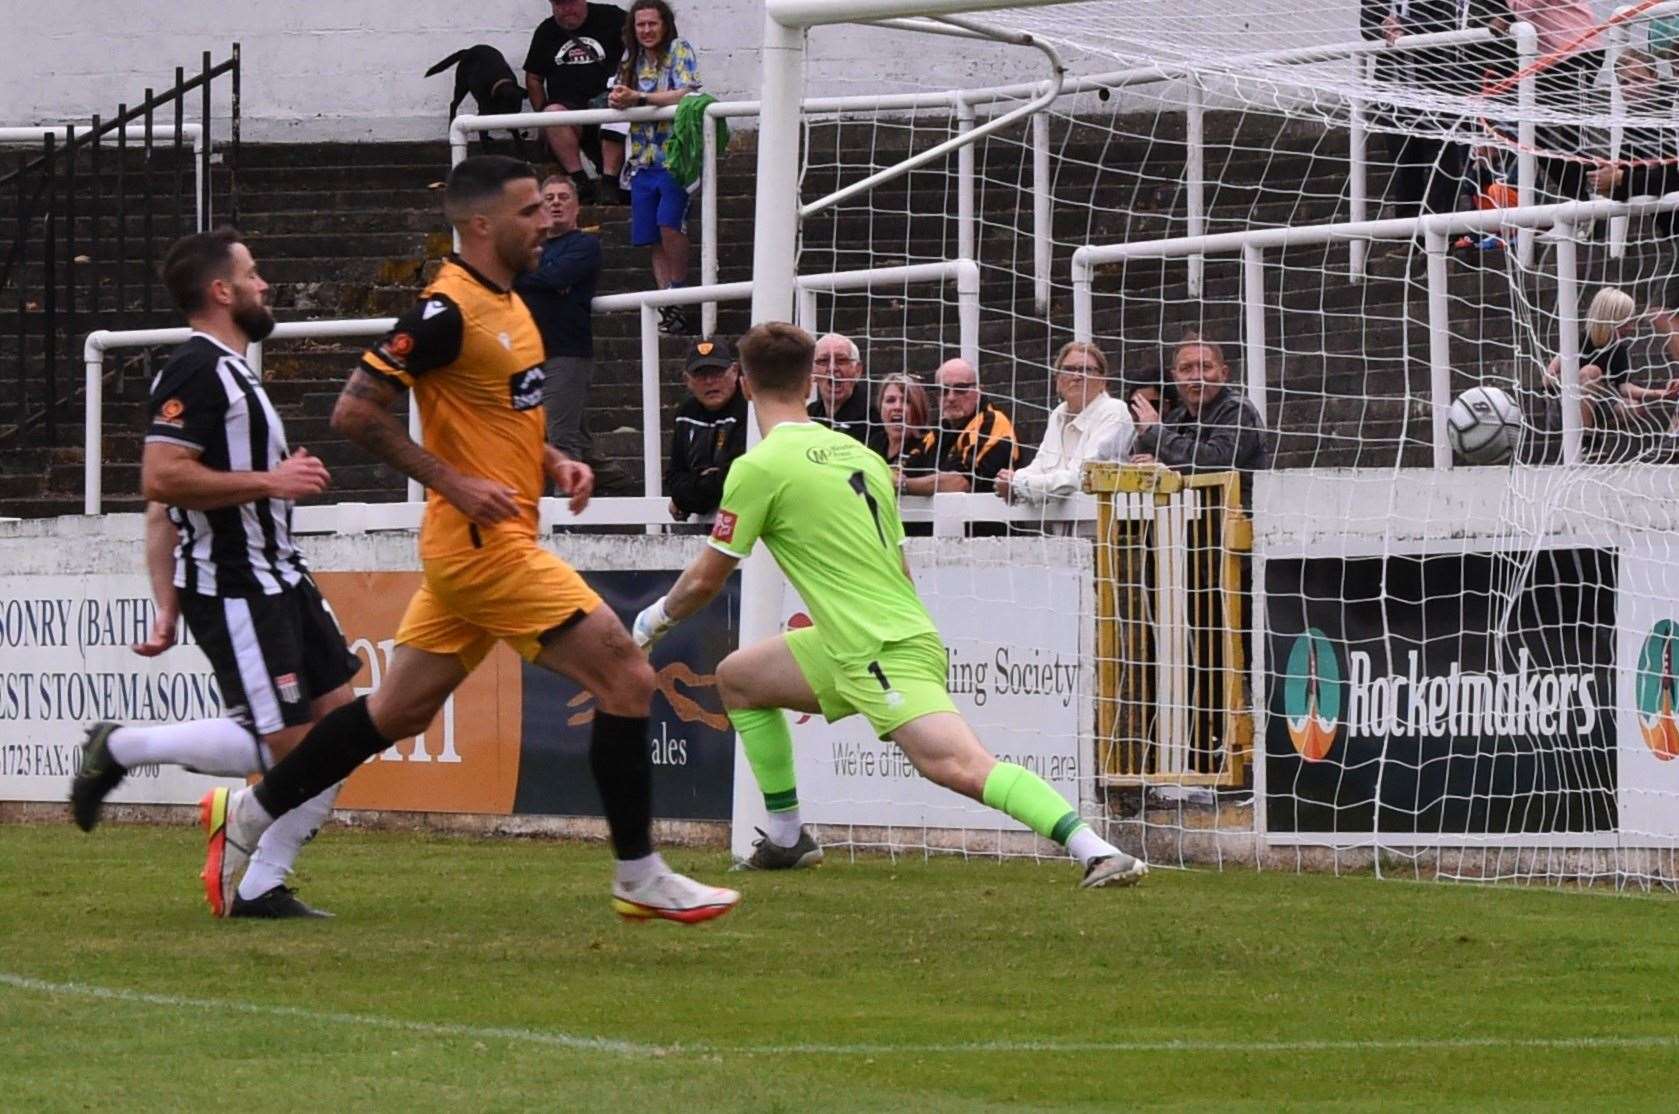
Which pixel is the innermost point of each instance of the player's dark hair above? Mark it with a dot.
(777, 357)
(192, 261)
(479, 179)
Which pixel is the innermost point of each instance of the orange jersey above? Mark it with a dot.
(472, 355)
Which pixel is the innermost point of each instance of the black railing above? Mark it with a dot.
(70, 214)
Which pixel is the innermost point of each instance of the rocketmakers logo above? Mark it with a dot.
(1312, 695)
(1657, 691)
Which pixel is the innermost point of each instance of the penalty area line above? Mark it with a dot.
(554, 1039)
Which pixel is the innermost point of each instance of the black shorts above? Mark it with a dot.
(272, 655)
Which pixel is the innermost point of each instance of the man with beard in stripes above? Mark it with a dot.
(221, 481)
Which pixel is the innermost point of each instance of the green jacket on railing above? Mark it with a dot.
(685, 150)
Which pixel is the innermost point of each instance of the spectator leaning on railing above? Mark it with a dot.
(658, 69)
(903, 413)
(1212, 428)
(973, 441)
(839, 405)
(1648, 153)
(710, 430)
(1087, 417)
(572, 56)
(1571, 42)
(558, 291)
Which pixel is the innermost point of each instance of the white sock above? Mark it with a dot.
(633, 872)
(1085, 845)
(277, 850)
(246, 818)
(219, 747)
(783, 827)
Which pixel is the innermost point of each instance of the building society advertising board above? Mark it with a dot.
(1019, 644)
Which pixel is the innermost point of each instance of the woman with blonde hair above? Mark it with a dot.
(1087, 418)
(902, 404)
(1607, 396)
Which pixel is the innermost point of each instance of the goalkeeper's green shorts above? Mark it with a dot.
(905, 680)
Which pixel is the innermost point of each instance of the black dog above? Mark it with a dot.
(482, 71)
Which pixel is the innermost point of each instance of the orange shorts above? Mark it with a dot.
(512, 590)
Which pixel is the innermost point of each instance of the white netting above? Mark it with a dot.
(1407, 578)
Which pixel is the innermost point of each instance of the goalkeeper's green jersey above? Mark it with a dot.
(824, 505)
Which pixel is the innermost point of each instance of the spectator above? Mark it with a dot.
(973, 441)
(1572, 41)
(658, 69)
(572, 56)
(710, 430)
(1087, 417)
(1150, 387)
(1212, 428)
(1647, 167)
(839, 405)
(558, 292)
(1608, 398)
(1427, 170)
(903, 413)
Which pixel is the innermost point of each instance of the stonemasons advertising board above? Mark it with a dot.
(512, 739)
(1020, 637)
(65, 662)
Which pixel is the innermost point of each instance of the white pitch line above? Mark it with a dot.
(553, 1039)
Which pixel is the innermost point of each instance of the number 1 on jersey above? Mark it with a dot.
(861, 487)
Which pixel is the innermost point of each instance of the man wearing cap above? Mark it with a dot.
(710, 430)
(839, 405)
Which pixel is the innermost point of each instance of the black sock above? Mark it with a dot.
(623, 772)
(331, 752)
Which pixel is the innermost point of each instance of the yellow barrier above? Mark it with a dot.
(1171, 690)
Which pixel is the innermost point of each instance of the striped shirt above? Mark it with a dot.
(207, 399)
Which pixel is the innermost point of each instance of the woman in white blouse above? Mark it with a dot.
(1087, 417)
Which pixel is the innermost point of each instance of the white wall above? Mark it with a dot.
(350, 69)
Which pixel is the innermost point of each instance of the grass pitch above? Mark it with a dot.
(491, 975)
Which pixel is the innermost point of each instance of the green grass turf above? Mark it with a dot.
(496, 948)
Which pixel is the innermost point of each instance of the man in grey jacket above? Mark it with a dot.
(1211, 429)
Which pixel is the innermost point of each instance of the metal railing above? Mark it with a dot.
(963, 273)
(1436, 230)
(964, 103)
(68, 213)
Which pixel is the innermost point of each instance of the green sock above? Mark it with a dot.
(769, 749)
(1031, 800)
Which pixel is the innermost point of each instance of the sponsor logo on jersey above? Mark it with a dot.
(170, 412)
(1656, 690)
(1312, 694)
(524, 388)
(290, 691)
(724, 528)
(833, 454)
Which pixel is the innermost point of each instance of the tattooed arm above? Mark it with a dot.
(363, 414)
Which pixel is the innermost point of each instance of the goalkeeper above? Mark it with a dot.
(823, 504)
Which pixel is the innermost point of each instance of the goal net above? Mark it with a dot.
(1436, 640)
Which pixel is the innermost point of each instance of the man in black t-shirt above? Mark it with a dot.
(572, 57)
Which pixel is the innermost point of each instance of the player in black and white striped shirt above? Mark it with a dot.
(221, 481)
